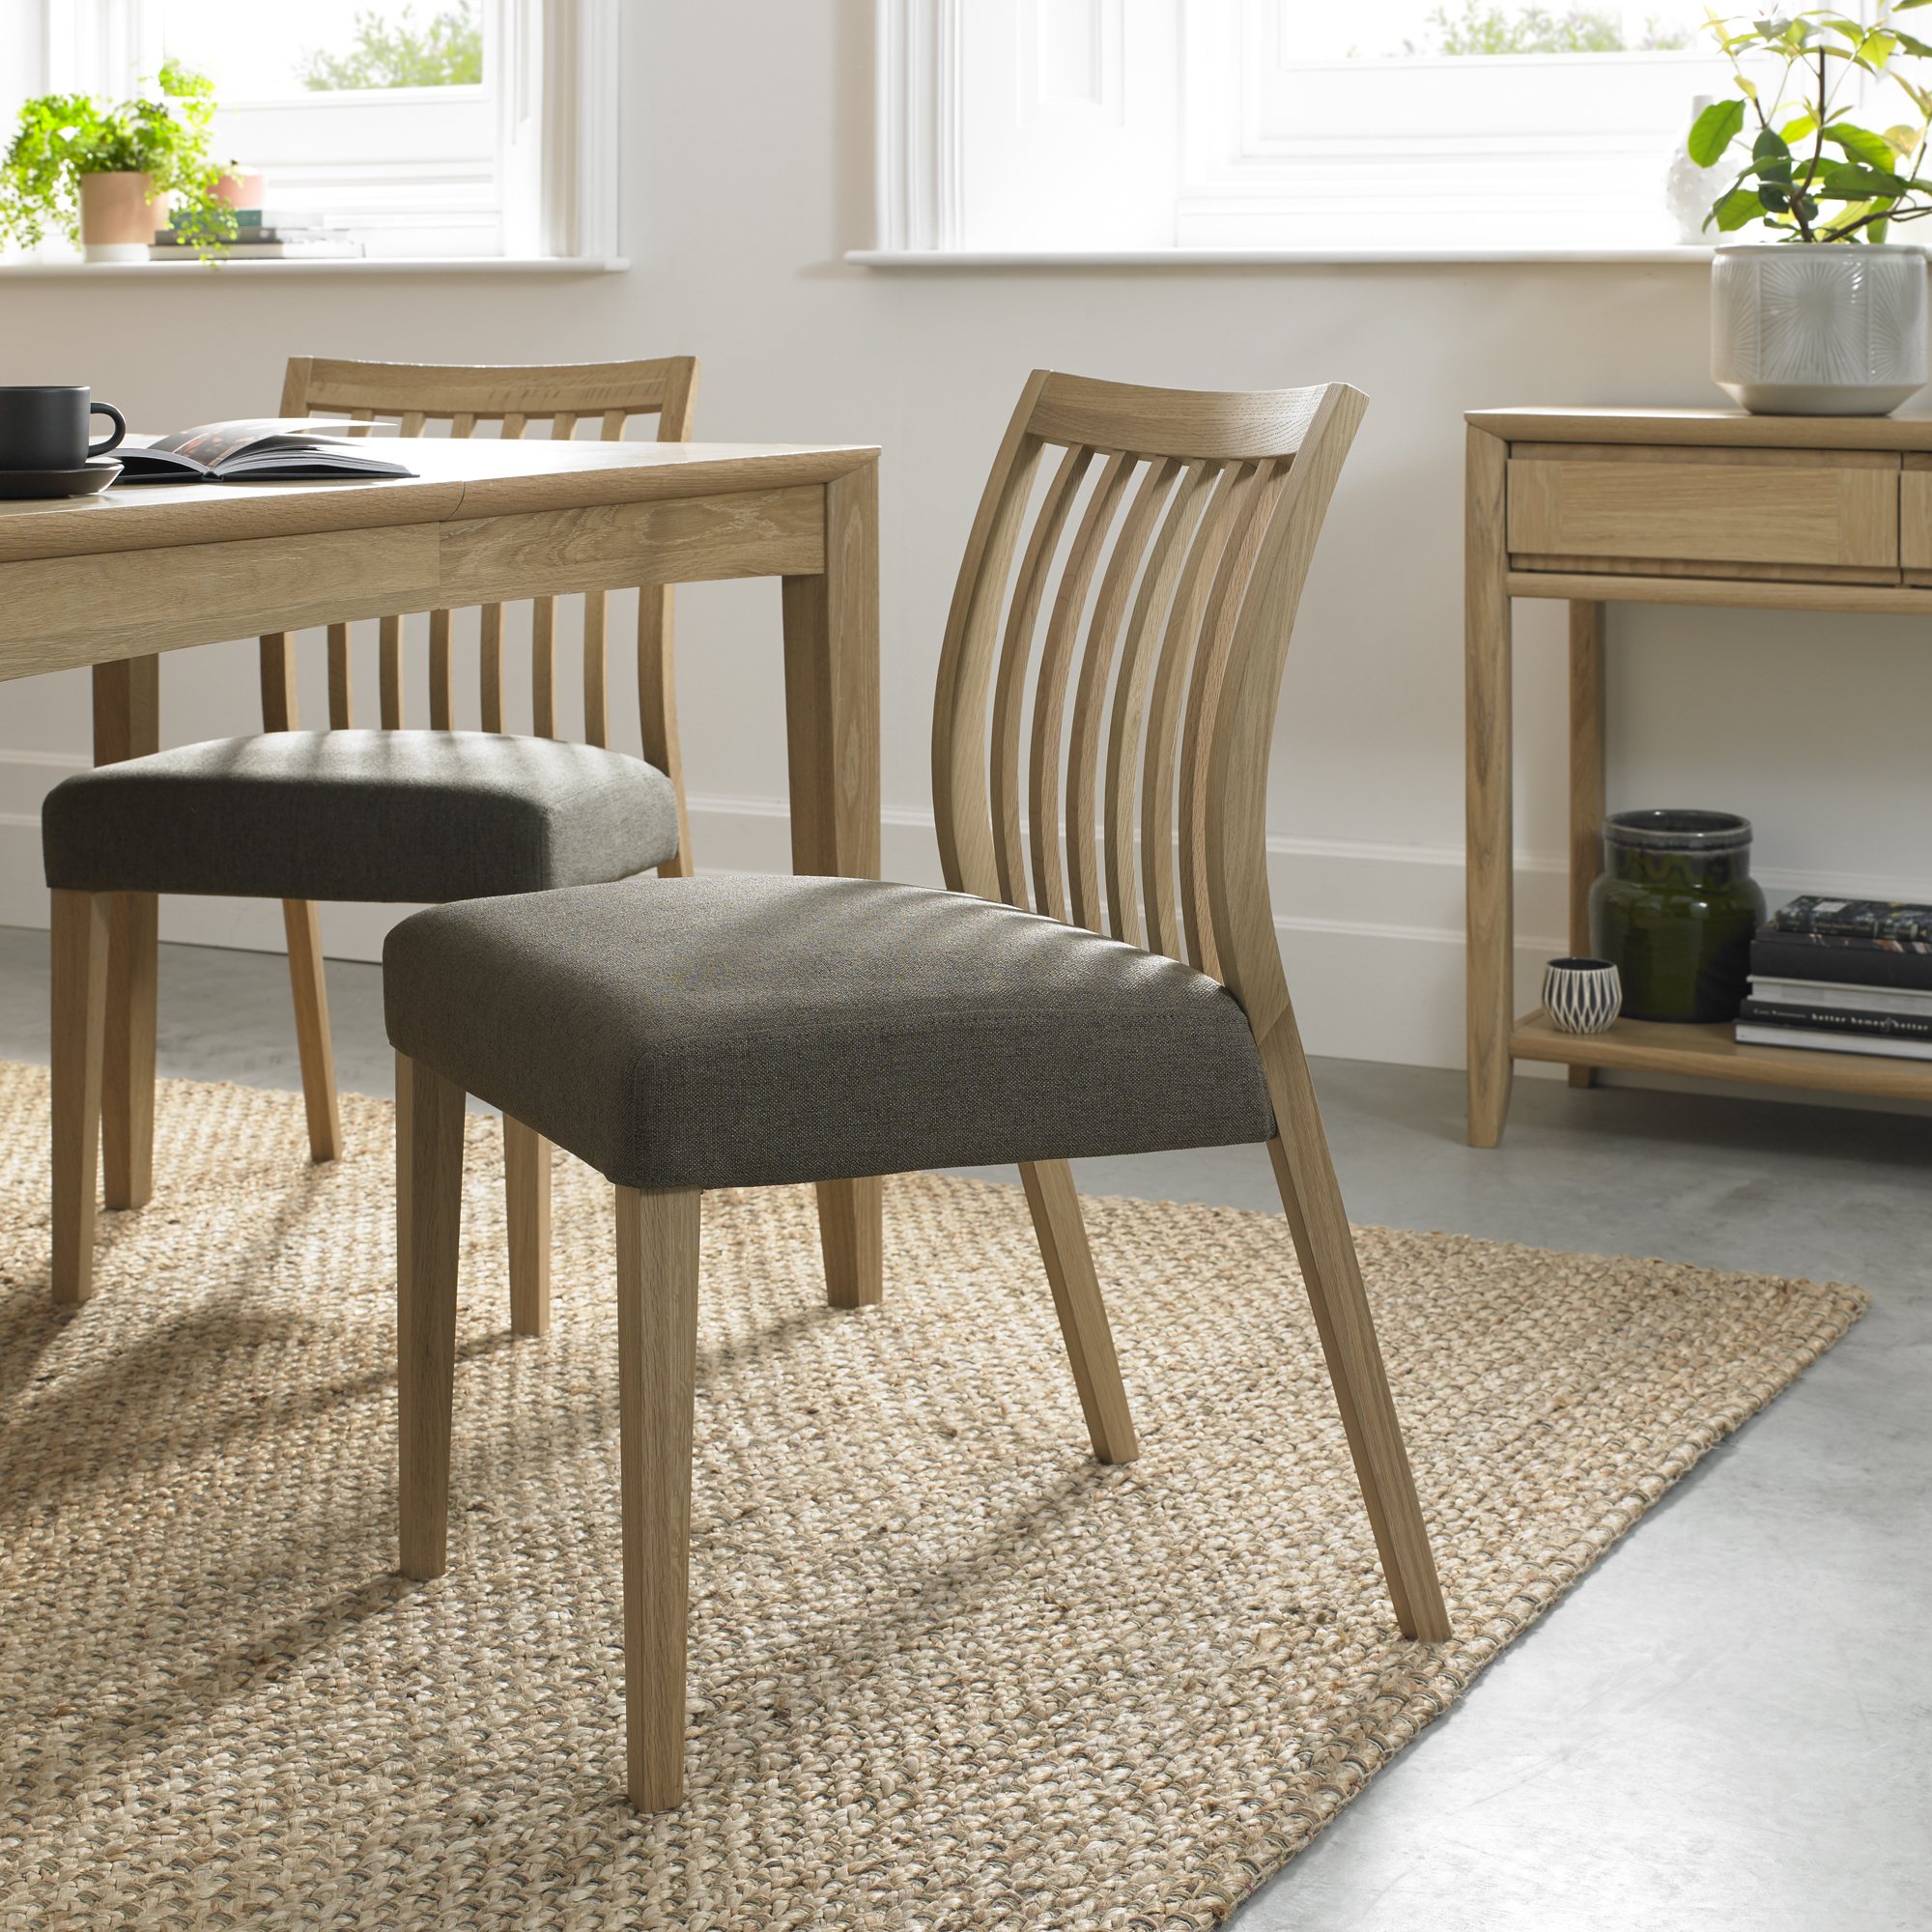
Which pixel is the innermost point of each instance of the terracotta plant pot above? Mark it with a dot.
(242, 187)
(117, 220)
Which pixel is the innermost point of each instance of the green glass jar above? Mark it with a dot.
(1675, 910)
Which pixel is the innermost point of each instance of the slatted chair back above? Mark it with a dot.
(564, 397)
(1114, 655)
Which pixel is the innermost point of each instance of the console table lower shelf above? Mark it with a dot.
(1711, 1053)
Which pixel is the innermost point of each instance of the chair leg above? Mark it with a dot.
(657, 1367)
(1305, 1174)
(849, 1238)
(80, 1024)
(312, 1042)
(128, 1066)
(1083, 1315)
(526, 1202)
(429, 1211)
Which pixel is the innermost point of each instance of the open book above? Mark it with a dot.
(267, 450)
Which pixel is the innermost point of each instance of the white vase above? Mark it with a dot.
(1689, 191)
(1818, 328)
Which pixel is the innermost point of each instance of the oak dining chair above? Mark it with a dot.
(350, 813)
(1102, 975)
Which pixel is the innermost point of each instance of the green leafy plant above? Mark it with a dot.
(60, 137)
(1810, 171)
(1482, 29)
(447, 52)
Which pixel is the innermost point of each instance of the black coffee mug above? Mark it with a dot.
(44, 426)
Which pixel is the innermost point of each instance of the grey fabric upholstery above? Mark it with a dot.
(732, 1031)
(359, 815)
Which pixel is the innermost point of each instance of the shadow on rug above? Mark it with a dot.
(947, 1672)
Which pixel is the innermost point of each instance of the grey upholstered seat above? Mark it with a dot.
(359, 815)
(733, 1032)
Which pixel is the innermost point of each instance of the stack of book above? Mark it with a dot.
(1847, 976)
(264, 237)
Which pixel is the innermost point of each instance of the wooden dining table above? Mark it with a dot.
(113, 581)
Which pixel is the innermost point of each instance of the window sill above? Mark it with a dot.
(361, 265)
(1256, 258)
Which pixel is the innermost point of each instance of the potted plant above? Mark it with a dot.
(105, 175)
(1831, 320)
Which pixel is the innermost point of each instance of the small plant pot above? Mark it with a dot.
(1818, 328)
(1581, 995)
(243, 187)
(118, 222)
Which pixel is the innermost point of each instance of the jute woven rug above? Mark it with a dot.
(945, 1673)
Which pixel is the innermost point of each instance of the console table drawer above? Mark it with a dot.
(1833, 510)
(1915, 517)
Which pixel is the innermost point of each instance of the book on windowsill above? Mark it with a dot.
(286, 449)
(284, 249)
(1878, 920)
(1757, 1033)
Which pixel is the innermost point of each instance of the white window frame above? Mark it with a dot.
(1174, 140)
(541, 183)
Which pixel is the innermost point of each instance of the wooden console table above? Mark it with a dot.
(1658, 506)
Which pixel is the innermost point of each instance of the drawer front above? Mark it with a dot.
(1914, 514)
(1831, 510)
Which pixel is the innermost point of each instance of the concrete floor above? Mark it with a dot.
(1728, 1728)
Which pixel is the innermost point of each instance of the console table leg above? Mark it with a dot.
(1490, 835)
(1587, 778)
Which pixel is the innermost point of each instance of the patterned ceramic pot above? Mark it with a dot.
(1818, 330)
(1581, 995)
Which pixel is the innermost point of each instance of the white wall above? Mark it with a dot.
(746, 180)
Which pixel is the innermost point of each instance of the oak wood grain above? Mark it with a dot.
(657, 1368)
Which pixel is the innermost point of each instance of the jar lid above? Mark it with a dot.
(1679, 829)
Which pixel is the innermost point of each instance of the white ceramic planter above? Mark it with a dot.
(1818, 330)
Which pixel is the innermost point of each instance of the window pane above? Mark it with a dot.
(254, 52)
(1479, 27)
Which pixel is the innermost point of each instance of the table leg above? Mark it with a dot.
(1586, 779)
(832, 736)
(1491, 823)
(127, 724)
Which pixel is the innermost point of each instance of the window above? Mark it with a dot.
(413, 127)
(1081, 124)
(1473, 123)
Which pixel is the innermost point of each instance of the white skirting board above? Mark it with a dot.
(1372, 934)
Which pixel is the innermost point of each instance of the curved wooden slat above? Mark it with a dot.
(1056, 664)
(596, 721)
(390, 671)
(1015, 656)
(961, 804)
(340, 707)
(1203, 691)
(656, 709)
(1165, 694)
(1151, 603)
(1097, 662)
(490, 667)
(441, 714)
